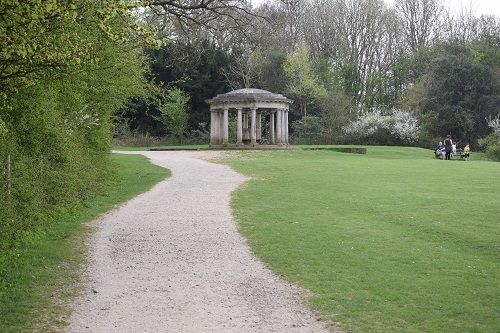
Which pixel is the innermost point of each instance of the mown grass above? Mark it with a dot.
(391, 241)
(35, 293)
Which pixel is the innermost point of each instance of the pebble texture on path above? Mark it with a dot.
(171, 260)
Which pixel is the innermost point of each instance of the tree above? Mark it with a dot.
(359, 41)
(420, 21)
(282, 25)
(302, 81)
(269, 70)
(59, 91)
(42, 37)
(464, 26)
(337, 110)
(189, 14)
(33, 43)
(460, 93)
(197, 69)
(174, 115)
(242, 72)
(308, 130)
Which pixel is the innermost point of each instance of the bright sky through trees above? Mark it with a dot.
(478, 6)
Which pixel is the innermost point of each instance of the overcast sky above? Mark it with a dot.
(481, 6)
(488, 7)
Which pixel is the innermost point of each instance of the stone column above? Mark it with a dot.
(212, 127)
(283, 127)
(220, 127)
(226, 126)
(279, 119)
(239, 131)
(259, 126)
(272, 137)
(254, 127)
(216, 126)
(286, 126)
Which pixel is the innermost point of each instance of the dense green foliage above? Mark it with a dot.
(50, 264)
(391, 241)
(493, 153)
(200, 75)
(174, 114)
(459, 91)
(62, 77)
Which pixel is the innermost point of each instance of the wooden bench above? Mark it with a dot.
(458, 152)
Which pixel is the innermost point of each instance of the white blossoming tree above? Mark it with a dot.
(494, 124)
(378, 127)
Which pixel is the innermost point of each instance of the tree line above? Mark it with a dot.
(360, 71)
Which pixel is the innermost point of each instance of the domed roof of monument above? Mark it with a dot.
(250, 94)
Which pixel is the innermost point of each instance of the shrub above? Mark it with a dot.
(490, 140)
(140, 140)
(199, 136)
(493, 153)
(308, 130)
(426, 140)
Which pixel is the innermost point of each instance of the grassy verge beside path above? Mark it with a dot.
(35, 293)
(391, 241)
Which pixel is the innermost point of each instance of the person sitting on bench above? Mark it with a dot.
(467, 152)
(439, 151)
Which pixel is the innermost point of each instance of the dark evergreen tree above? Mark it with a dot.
(462, 92)
(196, 69)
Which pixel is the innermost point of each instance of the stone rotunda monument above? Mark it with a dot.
(251, 105)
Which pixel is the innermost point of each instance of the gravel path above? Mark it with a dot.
(171, 260)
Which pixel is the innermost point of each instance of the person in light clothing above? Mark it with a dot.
(467, 152)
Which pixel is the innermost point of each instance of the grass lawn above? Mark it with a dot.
(391, 241)
(35, 292)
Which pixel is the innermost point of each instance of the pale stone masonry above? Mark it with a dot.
(250, 105)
